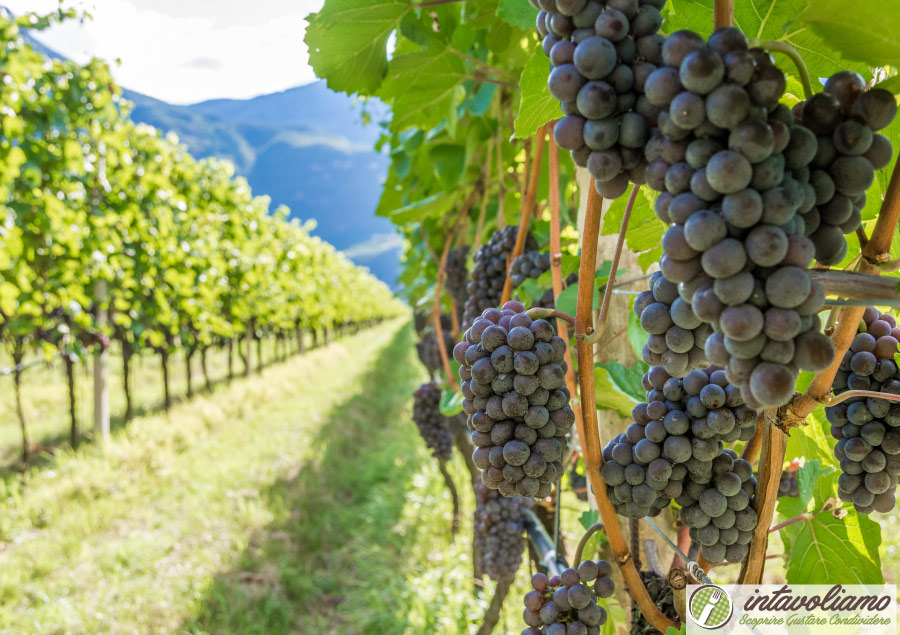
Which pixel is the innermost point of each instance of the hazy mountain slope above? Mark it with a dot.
(307, 149)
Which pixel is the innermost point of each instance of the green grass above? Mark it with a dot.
(46, 401)
(300, 500)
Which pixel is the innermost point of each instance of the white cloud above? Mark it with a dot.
(375, 245)
(243, 49)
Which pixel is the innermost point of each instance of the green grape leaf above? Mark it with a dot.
(625, 379)
(451, 403)
(644, 231)
(421, 87)
(869, 35)
(636, 334)
(347, 42)
(812, 441)
(536, 105)
(891, 84)
(807, 475)
(518, 13)
(434, 205)
(449, 162)
(588, 518)
(825, 548)
(609, 396)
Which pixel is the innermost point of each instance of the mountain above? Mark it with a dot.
(306, 147)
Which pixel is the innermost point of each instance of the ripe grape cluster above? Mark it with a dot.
(676, 335)
(733, 169)
(868, 429)
(721, 514)
(433, 426)
(499, 532)
(844, 118)
(602, 53)
(428, 351)
(567, 604)
(513, 372)
(530, 264)
(489, 272)
(457, 274)
(789, 486)
(422, 320)
(674, 448)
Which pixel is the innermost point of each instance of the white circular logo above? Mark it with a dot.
(710, 607)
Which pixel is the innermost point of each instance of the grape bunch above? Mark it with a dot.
(733, 169)
(789, 486)
(868, 429)
(489, 272)
(720, 513)
(530, 264)
(457, 274)
(602, 53)
(845, 118)
(513, 372)
(675, 335)
(499, 532)
(428, 351)
(422, 320)
(676, 441)
(567, 604)
(433, 426)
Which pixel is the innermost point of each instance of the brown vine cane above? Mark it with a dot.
(528, 205)
(589, 433)
(436, 311)
(556, 265)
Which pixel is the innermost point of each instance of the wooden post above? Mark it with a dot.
(101, 368)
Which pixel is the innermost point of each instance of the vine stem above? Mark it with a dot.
(442, 266)
(540, 312)
(723, 13)
(492, 615)
(610, 283)
(579, 551)
(562, 326)
(794, 55)
(850, 394)
(454, 524)
(527, 207)
(589, 431)
(855, 284)
(795, 413)
(751, 449)
(797, 519)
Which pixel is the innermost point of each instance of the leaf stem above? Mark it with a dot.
(579, 551)
(794, 54)
(539, 312)
(597, 332)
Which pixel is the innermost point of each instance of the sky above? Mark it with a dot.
(185, 51)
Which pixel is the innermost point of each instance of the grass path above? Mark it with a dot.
(301, 500)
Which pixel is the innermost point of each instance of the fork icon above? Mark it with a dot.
(713, 600)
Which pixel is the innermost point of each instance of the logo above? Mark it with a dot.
(711, 607)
